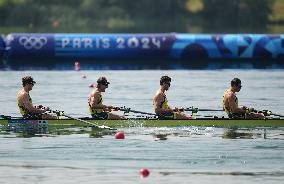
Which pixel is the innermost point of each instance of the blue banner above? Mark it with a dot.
(173, 46)
(30, 45)
(114, 45)
(2, 46)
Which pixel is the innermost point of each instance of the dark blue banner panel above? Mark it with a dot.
(170, 46)
(2, 46)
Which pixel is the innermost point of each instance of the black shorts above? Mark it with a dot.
(101, 115)
(237, 116)
(166, 115)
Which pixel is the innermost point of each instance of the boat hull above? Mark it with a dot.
(204, 122)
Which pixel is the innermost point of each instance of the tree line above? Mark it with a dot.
(210, 16)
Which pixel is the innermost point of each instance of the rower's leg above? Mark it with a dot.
(48, 116)
(183, 116)
(254, 115)
(115, 116)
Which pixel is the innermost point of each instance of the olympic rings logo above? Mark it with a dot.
(33, 42)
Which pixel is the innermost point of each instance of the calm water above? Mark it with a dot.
(66, 90)
(188, 155)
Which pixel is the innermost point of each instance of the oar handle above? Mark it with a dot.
(215, 110)
(127, 110)
(195, 110)
(5, 117)
(57, 112)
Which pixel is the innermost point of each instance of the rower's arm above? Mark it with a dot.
(233, 106)
(157, 104)
(94, 102)
(29, 106)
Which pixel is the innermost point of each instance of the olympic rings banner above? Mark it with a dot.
(171, 45)
(30, 45)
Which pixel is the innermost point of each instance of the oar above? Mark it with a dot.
(61, 113)
(5, 117)
(127, 110)
(268, 113)
(277, 115)
(195, 110)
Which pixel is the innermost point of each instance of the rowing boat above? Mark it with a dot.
(204, 122)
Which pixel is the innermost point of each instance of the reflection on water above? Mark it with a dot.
(263, 133)
(161, 137)
(161, 133)
(170, 153)
(234, 134)
(226, 173)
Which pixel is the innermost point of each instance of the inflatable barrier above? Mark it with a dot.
(2, 46)
(191, 50)
(90, 45)
(2, 49)
(174, 46)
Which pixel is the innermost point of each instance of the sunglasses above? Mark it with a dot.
(105, 84)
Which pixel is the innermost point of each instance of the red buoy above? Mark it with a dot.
(119, 135)
(77, 66)
(144, 172)
(91, 85)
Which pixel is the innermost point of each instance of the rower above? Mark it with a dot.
(25, 103)
(230, 103)
(160, 102)
(96, 107)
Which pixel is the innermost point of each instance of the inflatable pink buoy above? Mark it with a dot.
(77, 66)
(91, 85)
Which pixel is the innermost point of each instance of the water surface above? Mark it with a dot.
(173, 155)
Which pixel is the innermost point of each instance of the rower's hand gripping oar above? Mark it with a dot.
(264, 112)
(61, 113)
(269, 113)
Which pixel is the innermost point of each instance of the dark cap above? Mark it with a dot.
(28, 80)
(102, 80)
(165, 79)
(235, 82)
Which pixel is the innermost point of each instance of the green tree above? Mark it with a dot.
(236, 15)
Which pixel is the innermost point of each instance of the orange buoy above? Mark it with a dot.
(144, 172)
(119, 135)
